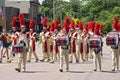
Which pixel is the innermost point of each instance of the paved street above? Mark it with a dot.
(48, 71)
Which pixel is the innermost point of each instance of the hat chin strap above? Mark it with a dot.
(22, 26)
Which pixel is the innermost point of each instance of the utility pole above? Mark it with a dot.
(61, 7)
(95, 17)
(61, 15)
(53, 9)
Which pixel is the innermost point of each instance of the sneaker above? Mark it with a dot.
(17, 69)
(61, 70)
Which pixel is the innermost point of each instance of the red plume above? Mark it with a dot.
(72, 25)
(96, 29)
(20, 16)
(65, 27)
(86, 27)
(80, 25)
(31, 24)
(67, 20)
(45, 20)
(56, 23)
(91, 25)
(14, 25)
(115, 23)
(52, 27)
(21, 20)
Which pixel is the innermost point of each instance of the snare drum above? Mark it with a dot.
(18, 48)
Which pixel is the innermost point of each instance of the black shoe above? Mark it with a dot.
(61, 70)
(4, 56)
(13, 54)
(37, 60)
(42, 60)
(77, 61)
(100, 68)
(113, 69)
(17, 69)
(117, 68)
(28, 60)
(8, 58)
(67, 69)
(70, 61)
(95, 69)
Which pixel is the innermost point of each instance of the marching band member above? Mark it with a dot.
(72, 42)
(64, 47)
(81, 42)
(101, 34)
(43, 39)
(15, 37)
(23, 40)
(97, 55)
(32, 45)
(118, 29)
(55, 46)
(85, 43)
(115, 52)
(91, 33)
(50, 42)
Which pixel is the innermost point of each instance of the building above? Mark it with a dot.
(28, 7)
(2, 15)
(10, 12)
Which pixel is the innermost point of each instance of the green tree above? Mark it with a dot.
(101, 11)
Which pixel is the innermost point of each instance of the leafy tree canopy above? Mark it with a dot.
(102, 11)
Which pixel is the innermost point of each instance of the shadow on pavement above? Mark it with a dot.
(110, 71)
(35, 72)
(77, 71)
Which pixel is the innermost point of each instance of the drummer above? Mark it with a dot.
(22, 38)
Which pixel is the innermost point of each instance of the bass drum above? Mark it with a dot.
(95, 42)
(112, 39)
(62, 40)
